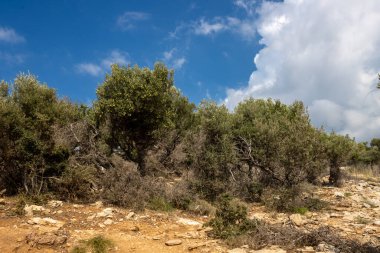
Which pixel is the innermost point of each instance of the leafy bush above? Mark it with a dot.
(278, 140)
(211, 151)
(136, 104)
(97, 244)
(230, 219)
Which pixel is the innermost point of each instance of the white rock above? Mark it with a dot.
(108, 222)
(30, 209)
(130, 215)
(237, 250)
(188, 222)
(107, 212)
(339, 194)
(297, 219)
(173, 242)
(55, 203)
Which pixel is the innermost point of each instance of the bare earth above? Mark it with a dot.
(58, 227)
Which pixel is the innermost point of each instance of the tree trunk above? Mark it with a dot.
(334, 174)
(141, 153)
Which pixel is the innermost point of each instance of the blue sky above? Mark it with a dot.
(69, 44)
(324, 53)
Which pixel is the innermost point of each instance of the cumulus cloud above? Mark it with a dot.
(325, 53)
(9, 35)
(97, 69)
(128, 20)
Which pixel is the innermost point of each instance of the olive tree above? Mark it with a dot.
(278, 140)
(28, 154)
(134, 105)
(339, 152)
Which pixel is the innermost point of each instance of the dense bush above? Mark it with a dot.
(279, 141)
(211, 151)
(135, 104)
(29, 157)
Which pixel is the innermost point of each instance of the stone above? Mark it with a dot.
(376, 223)
(237, 250)
(91, 217)
(55, 203)
(297, 219)
(273, 249)
(339, 194)
(324, 247)
(188, 222)
(98, 204)
(173, 242)
(107, 212)
(2, 201)
(130, 215)
(306, 250)
(31, 209)
(108, 222)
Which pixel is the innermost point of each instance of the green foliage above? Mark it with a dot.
(278, 140)
(136, 104)
(230, 219)
(28, 154)
(160, 204)
(301, 210)
(211, 151)
(340, 150)
(97, 244)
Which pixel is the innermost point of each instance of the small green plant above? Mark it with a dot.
(97, 244)
(301, 210)
(230, 219)
(160, 204)
(361, 220)
(202, 207)
(79, 249)
(347, 194)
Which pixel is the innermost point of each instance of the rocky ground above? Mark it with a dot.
(354, 212)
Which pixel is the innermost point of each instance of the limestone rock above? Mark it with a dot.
(31, 209)
(107, 212)
(173, 242)
(55, 203)
(297, 219)
(188, 222)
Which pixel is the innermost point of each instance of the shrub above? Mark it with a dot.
(295, 199)
(124, 186)
(136, 104)
(202, 207)
(211, 151)
(278, 140)
(97, 244)
(230, 219)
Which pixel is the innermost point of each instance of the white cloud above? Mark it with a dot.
(95, 69)
(245, 26)
(172, 59)
(178, 63)
(325, 53)
(129, 19)
(9, 35)
(205, 28)
(89, 68)
(116, 57)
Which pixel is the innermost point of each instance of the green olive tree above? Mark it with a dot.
(134, 106)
